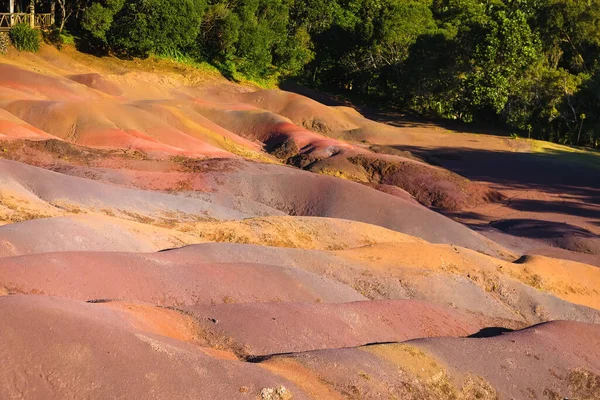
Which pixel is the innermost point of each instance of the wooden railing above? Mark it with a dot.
(43, 20)
(8, 20)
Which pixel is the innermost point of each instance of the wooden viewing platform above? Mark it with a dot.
(40, 21)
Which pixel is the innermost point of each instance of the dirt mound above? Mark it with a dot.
(13, 127)
(300, 110)
(98, 82)
(184, 116)
(522, 364)
(43, 192)
(110, 125)
(262, 329)
(97, 119)
(94, 232)
(157, 279)
(529, 358)
(439, 274)
(86, 233)
(53, 152)
(523, 245)
(262, 189)
(312, 195)
(171, 278)
(114, 336)
(430, 186)
(300, 232)
(62, 349)
(195, 127)
(317, 153)
(41, 86)
(528, 288)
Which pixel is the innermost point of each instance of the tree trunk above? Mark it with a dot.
(32, 14)
(580, 128)
(12, 11)
(63, 14)
(52, 12)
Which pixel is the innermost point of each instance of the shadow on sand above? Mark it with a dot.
(490, 332)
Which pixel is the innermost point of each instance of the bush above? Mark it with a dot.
(54, 38)
(24, 38)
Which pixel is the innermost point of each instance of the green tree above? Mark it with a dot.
(504, 51)
(570, 33)
(255, 37)
(587, 101)
(98, 18)
(361, 49)
(143, 27)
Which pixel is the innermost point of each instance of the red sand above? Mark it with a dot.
(556, 359)
(59, 349)
(156, 279)
(264, 328)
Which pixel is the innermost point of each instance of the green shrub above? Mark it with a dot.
(24, 38)
(53, 37)
(67, 38)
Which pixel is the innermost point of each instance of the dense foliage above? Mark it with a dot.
(255, 37)
(25, 38)
(530, 65)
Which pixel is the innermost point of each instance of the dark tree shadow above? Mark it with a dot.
(328, 99)
(553, 172)
(490, 332)
(539, 229)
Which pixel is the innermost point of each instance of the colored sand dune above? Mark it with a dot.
(165, 238)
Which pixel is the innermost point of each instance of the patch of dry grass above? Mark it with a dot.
(427, 378)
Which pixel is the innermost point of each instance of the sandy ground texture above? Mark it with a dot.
(167, 234)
